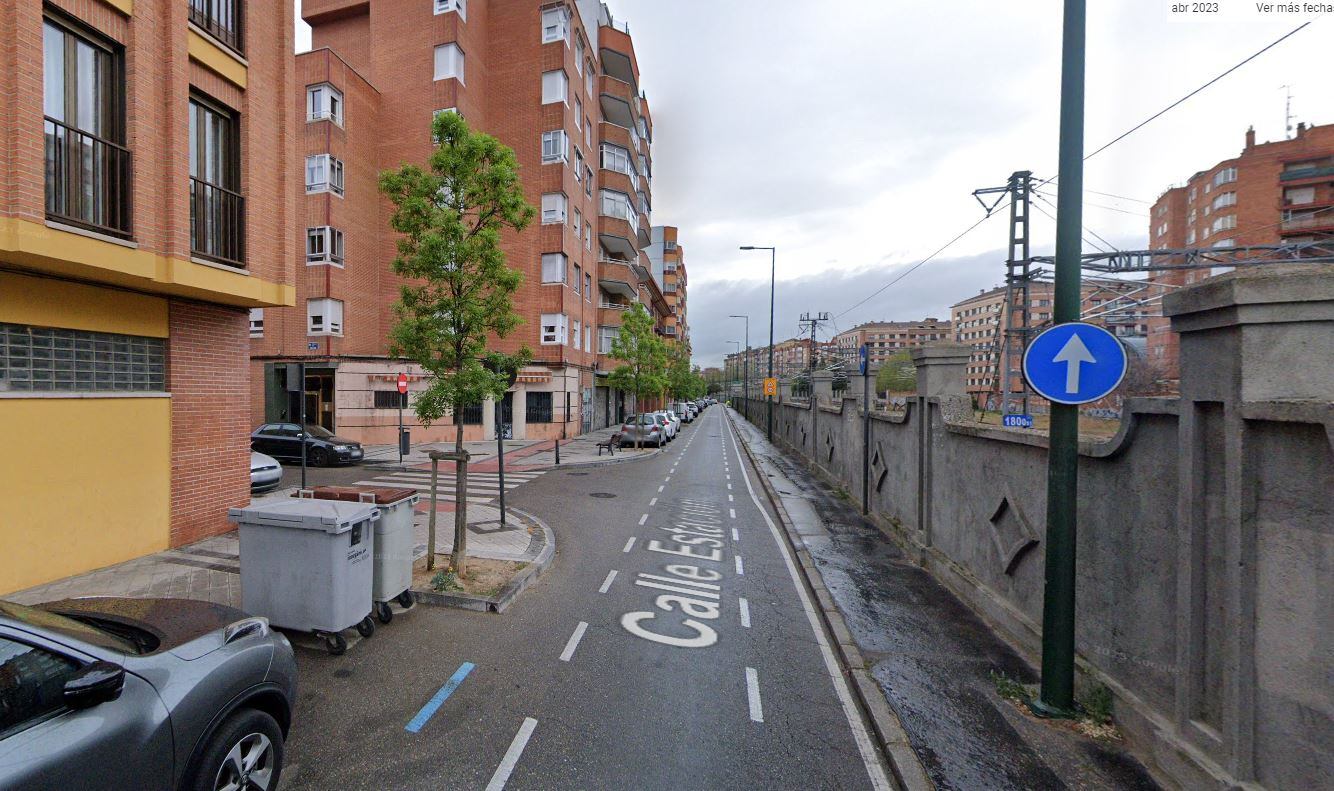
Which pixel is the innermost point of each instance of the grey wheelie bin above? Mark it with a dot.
(394, 540)
(307, 564)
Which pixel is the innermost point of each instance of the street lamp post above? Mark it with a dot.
(745, 375)
(773, 256)
(734, 367)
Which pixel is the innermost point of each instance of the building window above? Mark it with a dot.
(449, 62)
(1298, 195)
(588, 337)
(555, 25)
(324, 317)
(588, 181)
(554, 208)
(575, 332)
(436, 115)
(553, 267)
(588, 236)
(578, 223)
(588, 79)
(46, 359)
(555, 87)
(390, 399)
(537, 407)
(579, 54)
(446, 6)
(1225, 243)
(619, 205)
(257, 322)
(555, 326)
(87, 168)
(578, 164)
(578, 113)
(217, 210)
(221, 19)
(1225, 200)
(1225, 223)
(1190, 236)
(1225, 176)
(324, 245)
(607, 336)
(588, 132)
(618, 159)
(555, 147)
(578, 278)
(324, 173)
(324, 102)
(588, 289)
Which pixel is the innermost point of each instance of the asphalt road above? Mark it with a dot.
(667, 647)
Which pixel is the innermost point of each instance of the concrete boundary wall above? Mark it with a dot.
(1206, 527)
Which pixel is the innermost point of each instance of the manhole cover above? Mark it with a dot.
(602, 495)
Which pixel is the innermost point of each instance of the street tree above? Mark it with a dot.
(643, 357)
(682, 381)
(458, 291)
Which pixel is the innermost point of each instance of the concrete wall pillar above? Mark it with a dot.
(822, 385)
(520, 413)
(941, 368)
(489, 419)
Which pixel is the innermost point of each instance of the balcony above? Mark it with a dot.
(1318, 220)
(87, 180)
(1301, 174)
(217, 224)
(221, 19)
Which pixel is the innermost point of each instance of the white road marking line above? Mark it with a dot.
(729, 478)
(652, 502)
(606, 584)
(660, 488)
(731, 512)
(643, 519)
(668, 478)
(729, 487)
(574, 641)
(629, 544)
(873, 768)
(753, 695)
(511, 758)
(739, 570)
(735, 535)
(729, 499)
(745, 611)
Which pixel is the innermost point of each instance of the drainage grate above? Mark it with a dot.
(602, 495)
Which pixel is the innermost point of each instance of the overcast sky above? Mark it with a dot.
(851, 134)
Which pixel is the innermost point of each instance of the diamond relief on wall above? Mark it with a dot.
(878, 467)
(1011, 532)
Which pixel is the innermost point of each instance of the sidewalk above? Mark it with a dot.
(519, 454)
(912, 645)
(210, 569)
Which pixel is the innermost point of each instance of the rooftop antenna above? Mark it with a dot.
(1287, 112)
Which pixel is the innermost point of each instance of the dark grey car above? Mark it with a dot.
(141, 693)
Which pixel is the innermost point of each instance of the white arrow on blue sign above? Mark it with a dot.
(862, 360)
(1074, 363)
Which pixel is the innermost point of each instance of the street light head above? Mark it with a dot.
(737, 316)
(748, 247)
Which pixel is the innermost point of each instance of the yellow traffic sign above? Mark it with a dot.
(771, 386)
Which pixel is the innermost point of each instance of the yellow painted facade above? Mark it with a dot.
(87, 480)
(37, 246)
(217, 60)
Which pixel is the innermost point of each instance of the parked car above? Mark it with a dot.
(141, 693)
(323, 447)
(682, 410)
(265, 473)
(673, 424)
(645, 429)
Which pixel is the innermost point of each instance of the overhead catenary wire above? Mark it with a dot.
(1096, 235)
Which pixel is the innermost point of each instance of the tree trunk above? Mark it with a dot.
(460, 504)
(430, 530)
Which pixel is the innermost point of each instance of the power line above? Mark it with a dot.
(917, 265)
(1087, 241)
(1142, 215)
(1096, 235)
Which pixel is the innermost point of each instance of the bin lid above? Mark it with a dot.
(381, 495)
(331, 516)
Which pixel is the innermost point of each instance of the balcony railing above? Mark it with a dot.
(221, 19)
(1306, 173)
(1314, 220)
(616, 305)
(87, 180)
(217, 223)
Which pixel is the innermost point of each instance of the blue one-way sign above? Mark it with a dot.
(1074, 363)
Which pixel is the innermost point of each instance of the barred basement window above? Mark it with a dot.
(538, 409)
(471, 415)
(390, 399)
(45, 359)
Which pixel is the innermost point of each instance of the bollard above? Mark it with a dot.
(558, 453)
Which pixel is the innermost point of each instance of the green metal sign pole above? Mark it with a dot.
(1058, 601)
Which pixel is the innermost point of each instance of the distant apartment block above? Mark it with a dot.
(885, 338)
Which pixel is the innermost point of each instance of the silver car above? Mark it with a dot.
(141, 693)
(646, 429)
(265, 472)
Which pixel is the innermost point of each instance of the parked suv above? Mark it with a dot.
(141, 693)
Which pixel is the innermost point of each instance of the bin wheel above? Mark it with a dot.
(366, 627)
(406, 599)
(335, 644)
(383, 612)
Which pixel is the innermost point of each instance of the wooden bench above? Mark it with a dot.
(611, 444)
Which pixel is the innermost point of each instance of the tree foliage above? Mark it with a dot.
(684, 382)
(897, 374)
(459, 293)
(643, 356)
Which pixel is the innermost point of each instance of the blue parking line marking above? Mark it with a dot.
(436, 702)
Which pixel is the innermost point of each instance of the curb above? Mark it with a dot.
(602, 462)
(506, 596)
(893, 738)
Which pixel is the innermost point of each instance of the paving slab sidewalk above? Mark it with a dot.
(520, 455)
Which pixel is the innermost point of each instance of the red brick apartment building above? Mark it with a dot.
(667, 257)
(884, 338)
(146, 196)
(1272, 193)
(556, 81)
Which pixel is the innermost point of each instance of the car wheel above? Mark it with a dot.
(383, 612)
(245, 753)
(319, 457)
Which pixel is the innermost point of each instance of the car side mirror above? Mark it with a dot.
(94, 683)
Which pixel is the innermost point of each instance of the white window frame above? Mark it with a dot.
(555, 87)
(588, 291)
(553, 329)
(324, 102)
(556, 25)
(561, 139)
(330, 244)
(588, 80)
(588, 235)
(330, 314)
(578, 222)
(1225, 176)
(588, 132)
(588, 337)
(450, 6)
(579, 54)
(454, 64)
(1227, 222)
(436, 114)
(575, 331)
(257, 322)
(606, 337)
(1225, 200)
(551, 260)
(578, 113)
(578, 164)
(555, 207)
(578, 279)
(328, 174)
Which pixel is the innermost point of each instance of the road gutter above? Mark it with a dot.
(889, 731)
